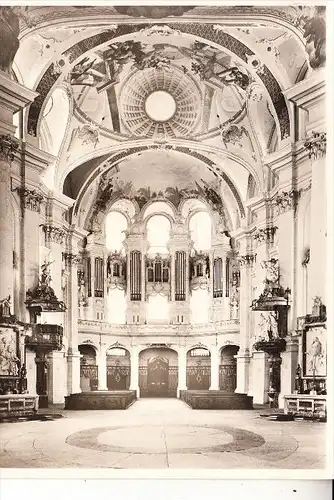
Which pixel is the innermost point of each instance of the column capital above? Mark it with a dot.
(31, 198)
(316, 145)
(246, 260)
(53, 234)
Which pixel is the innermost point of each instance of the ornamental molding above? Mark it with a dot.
(266, 234)
(316, 145)
(247, 260)
(8, 147)
(160, 30)
(271, 267)
(31, 199)
(53, 234)
(232, 134)
(288, 200)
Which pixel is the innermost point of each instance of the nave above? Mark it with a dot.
(161, 434)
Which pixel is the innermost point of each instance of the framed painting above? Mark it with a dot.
(314, 351)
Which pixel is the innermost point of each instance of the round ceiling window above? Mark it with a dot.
(160, 106)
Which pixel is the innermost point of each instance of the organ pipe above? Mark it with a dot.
(218, 278)
(180, 275)
(135, 275)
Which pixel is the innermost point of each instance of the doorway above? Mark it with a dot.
(158, 373)
(228, 369)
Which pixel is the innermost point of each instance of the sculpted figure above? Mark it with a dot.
(9, 33)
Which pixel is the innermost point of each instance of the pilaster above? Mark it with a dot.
(288, 368)
(57, 377)
(134, 377)
(260, 378)
(182, 370)
(215, 361)
(102, 367)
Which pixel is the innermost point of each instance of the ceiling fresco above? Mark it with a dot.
(223, 69)
(158, 175)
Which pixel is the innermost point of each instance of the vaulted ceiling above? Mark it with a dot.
(205, 81)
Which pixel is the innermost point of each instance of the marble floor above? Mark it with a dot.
(163, 433)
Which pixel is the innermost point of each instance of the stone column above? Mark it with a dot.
(288, 368)
(214, 386)
(318, 239)
(246, 260)
(243, 366)
(6, 221)
(31, 371)
(13, 98)
(260, 377)
(182, 370)
(71, 324)
(102, 368)
(57, 378)
(134, 384)
(309, 98)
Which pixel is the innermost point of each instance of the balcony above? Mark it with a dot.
(45, 337)
(92, 326)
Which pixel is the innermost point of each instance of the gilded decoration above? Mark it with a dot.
(70, 259)
(247, 260)
(9, 37)
(266, 234)
(312, 20)
(274, 296)
(53, 234)
(8, 145)
(316, 145)
(286, 200)
(43, 297)
(32, 199)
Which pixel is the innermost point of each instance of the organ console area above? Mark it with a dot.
(177, 279)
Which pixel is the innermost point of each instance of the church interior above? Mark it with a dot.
(163, 219)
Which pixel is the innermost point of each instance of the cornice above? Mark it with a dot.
(14, 96)
(35, 159)
(307, 93)
(60, 200)
(283, 159)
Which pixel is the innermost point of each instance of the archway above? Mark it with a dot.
(198, 369)
(228, 368)
(88, 368)
(118, 369)
(158, 373)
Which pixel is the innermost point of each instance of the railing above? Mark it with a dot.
(46, 336)
(227, 326)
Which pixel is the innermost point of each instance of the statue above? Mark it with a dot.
(234, 307)
(268, 325)
(5, 307)
(9, 33)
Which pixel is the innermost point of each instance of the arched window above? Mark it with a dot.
(116, 225)
(199, 306)
(158, 234)
(200, 227)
